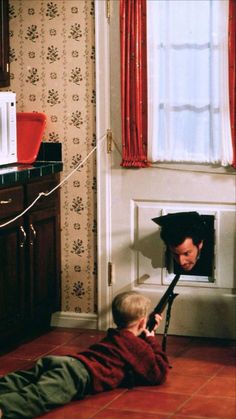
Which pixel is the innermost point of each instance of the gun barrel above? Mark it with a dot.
(162, 303)
(164, 299)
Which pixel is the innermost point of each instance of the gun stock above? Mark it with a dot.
(162, 303)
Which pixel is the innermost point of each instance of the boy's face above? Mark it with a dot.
(186, 254)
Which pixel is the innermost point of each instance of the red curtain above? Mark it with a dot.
(133, 82)
(232, 73)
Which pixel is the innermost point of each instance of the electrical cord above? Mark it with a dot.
(101, 139)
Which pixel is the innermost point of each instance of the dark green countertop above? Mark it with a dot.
(11, 174)
(48, 162)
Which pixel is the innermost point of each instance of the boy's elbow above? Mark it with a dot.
(163, 374)
(163, 378)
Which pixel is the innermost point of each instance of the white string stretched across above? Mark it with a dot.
(57, 186)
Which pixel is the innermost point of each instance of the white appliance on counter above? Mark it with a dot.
(8, 137)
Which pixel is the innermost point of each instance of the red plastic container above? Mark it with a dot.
(30, 129)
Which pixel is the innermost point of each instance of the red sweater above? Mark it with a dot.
(120, 352)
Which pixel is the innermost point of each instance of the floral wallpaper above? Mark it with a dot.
(52, 58)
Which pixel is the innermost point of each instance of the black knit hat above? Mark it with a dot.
(178, 219)
(177, 226)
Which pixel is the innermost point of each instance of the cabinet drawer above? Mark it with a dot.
(35, 188)
(11, 201)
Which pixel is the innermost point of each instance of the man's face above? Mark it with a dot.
(186, 254)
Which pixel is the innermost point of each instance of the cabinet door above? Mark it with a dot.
(12, 281)
(4, 44)
(44, 265)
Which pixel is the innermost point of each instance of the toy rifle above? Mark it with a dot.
(166, 299)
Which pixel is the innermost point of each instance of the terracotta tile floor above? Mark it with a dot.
(201, 383)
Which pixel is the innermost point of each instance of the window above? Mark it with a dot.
(188, 103)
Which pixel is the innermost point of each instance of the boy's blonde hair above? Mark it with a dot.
(128, 307)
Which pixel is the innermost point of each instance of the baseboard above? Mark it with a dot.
(74, 320)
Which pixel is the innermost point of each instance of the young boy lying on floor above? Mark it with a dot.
(128, 353)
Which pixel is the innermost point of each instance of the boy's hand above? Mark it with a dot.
(158, 319)
(147, 333)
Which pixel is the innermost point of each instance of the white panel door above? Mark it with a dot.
(129, 198)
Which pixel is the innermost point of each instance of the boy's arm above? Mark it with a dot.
(156, 365)
(151, 339)
(161, 362)
(156, 347)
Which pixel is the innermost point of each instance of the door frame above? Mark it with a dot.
(102, 47)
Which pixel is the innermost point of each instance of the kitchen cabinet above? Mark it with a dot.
(29, 259)
(43, 252)
(4, 44)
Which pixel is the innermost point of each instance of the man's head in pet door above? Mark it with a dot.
(189, 239)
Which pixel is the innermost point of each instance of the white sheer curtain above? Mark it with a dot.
(188, 103)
